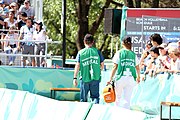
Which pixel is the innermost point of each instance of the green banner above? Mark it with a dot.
(38, 81)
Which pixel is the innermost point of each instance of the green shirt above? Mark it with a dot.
(127, 64)
(89, 64)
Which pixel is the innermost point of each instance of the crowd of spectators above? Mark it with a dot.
(159, 57)
(17, 22)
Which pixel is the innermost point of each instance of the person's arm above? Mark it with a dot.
(115, 60)
(6, 43)
(5, 24)
(76, 70)
(150, 65)
(16, 24)
(115, 66)
(19, 38)
(102, 65)
(101, 60)
(2, 22)
(138, 73)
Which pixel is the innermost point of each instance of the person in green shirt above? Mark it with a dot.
(89, 63)
(126, 68)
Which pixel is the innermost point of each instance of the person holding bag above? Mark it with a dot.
(126, 67)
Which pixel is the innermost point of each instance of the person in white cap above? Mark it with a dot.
(126, 71)
(40, 35)
(174, 54)
(14, 7)
(164, 58)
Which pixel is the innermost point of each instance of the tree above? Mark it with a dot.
(83, 16)
(155, 3)
(129, 3)
(83, 13)
(86, 16)
(138, 3)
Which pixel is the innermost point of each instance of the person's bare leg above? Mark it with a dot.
(24, 63)
(33, 63)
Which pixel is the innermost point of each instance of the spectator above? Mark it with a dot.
(174, 54)
(22, 19)
(8, 2)
(14, 7)
(1, 18)
(26, 33)
(40, 35)
(11, 46)
(156, 39)
(1, 27)
(10, 21)
(145, 57)
(5, 12)
(148, 45)
(5, 15)
(154, 63)
(27, 9)
(1, 4)
(172, 45)
(126, 64)
(164, 58)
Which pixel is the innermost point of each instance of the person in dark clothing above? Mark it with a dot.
(22, 22)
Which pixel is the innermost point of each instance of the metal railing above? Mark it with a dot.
(47, 41)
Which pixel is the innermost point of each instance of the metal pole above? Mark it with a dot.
(64, 32)
(111, 46)
(46, 48)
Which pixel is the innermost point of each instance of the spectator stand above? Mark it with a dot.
(3, 55)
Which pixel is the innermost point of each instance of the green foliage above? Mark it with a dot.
(52, 19)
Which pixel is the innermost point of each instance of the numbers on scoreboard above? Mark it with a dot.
(176, 28)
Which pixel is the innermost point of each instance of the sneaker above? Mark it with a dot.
(11, 63)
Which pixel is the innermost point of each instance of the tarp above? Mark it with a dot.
(148, 95)
(22, 105)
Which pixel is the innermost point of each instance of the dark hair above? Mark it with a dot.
(13, 12)
(88, 39)
(155, 50)
(24, 14)
(27, 1)
(41, 25)
(156, 38)
(29, 18)
(149, 43)
(127, 42)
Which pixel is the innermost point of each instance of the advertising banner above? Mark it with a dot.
(142, 23)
